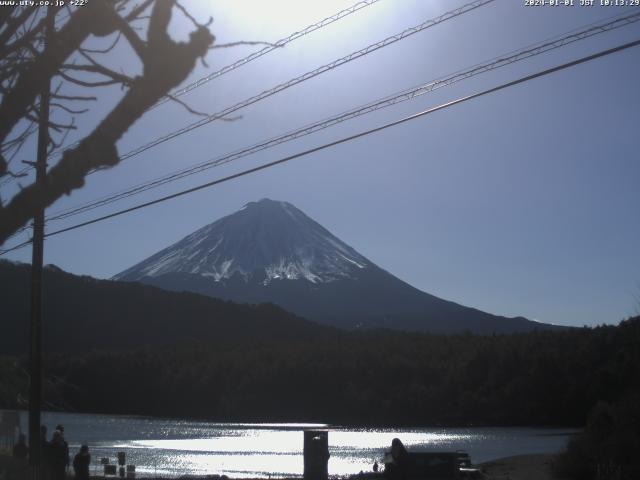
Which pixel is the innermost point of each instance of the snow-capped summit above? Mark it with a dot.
(270, 251)
(265, 239)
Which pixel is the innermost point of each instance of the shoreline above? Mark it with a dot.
(517, 467)
(521, 467)
(566, 428)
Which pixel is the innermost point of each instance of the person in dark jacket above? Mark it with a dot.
(20, 449)
(45, 452)
(60, 428)
(396, 467)
(43, 436)
(81, 463)
(58, 456)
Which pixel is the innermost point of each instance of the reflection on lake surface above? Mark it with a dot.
(178, 447)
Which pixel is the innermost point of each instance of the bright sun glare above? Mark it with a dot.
(277, 16)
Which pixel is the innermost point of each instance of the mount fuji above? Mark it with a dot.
(270, 251)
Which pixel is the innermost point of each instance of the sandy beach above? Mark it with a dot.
(520, 467)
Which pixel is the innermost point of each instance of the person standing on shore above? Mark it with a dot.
(60, 428)
(58, 456)
(45, 454)
(81, 463)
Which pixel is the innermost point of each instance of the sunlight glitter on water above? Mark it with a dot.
(254, 452)
(382, 438)
(289, 441)
(230, 441)
(174, 447)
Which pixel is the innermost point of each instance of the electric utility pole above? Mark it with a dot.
(35, 331)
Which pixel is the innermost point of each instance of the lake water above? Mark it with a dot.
(177, 447)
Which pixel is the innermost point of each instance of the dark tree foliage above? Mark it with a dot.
(608, 446)
(550, 378)
(81, 313)
(117, 347)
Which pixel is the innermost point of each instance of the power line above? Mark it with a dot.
(241, 62)
(270, 48)
(349, 138)
(497, 62)
(16, 247)
(307, 76)
(20, 230)
(318, 71)
(8, 178)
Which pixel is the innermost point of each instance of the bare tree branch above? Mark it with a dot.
(135, 13)
(13, 24)
(186, 106)
(55, 145)
(93, 18)
(188, 15)
(17, 175)
(5, 14)
(100, 69)
(69, 110)
(83, 83)
(79, 98)
(23, 40)
(166, 65)
(132, 37)
(104, 50)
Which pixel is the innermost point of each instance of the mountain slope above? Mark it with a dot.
(272, 252)
(81, 313)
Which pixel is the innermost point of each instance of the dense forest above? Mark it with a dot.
(608, 446)
(372, 378)
(117, 347)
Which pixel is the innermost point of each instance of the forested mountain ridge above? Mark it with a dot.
(127, 348)
(369, 378)
(81, 313)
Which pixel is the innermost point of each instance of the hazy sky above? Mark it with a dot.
(524, 202)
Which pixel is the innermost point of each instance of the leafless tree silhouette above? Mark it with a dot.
(30, 57)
